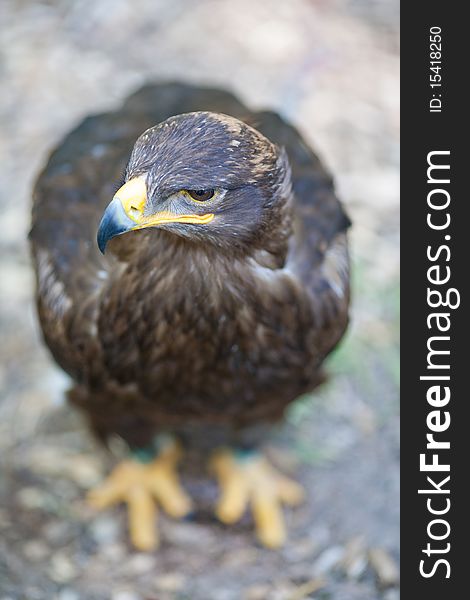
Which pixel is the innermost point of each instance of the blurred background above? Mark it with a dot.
(331, 68)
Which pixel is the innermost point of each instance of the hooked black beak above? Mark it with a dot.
(114, 222)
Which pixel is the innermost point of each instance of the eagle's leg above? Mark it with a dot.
(247, 478)
(142, 483)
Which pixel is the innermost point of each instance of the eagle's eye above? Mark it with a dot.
(201, 195)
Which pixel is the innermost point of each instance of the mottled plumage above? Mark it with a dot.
(222, 324)
(224, 285)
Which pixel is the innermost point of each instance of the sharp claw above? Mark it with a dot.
(167, 490)
(176, 504)
(104, 496)
(290, 492)
(142, 518)
(234, 500)
(269, 521)
(257, 483)
(138, 485)
(229, 514)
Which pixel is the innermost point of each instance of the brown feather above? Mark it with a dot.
(165, 331)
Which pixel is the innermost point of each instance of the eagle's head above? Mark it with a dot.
(206, 177)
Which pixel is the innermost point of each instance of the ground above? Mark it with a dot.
(331, 67)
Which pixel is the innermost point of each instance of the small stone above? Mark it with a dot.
(281, 590)
(257, 592)
(391, 594)
(105, 530)
(328, 559)
(68, 594)
(85, 470)
(384, 566)
(188, 535)
(35, 550)
(125, 595)
(356, 569)
(241, 557)
(366, 419)
(170, 582)
(114, 552)
(300, 549)
(31, 498)
(306, 589)
(223, 594)
(354, 561)
(56, 532)
(61, 568)
(5, 521)
(141, 563)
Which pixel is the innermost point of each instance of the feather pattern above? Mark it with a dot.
(164, 331)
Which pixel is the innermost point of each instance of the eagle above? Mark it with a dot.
(192, 274)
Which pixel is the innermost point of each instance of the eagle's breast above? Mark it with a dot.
(195, 332)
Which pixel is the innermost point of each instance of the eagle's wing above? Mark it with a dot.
(68, 201)
(318, 254)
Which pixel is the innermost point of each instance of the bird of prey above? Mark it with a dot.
(192, 275)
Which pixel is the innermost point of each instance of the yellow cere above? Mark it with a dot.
(133, 196)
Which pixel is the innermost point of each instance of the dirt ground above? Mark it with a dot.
(331, 67)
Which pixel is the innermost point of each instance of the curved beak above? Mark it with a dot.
(114, 222)
(123, 212)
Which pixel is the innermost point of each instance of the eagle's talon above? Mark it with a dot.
(256, 483)
(142, 487)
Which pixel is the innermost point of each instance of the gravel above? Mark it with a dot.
(331, 67)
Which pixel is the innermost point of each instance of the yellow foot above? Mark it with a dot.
(139, 485)
(252, 480)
